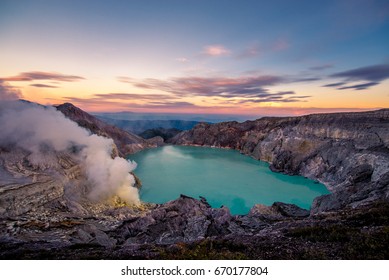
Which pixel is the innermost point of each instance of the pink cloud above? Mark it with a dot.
(216, 50)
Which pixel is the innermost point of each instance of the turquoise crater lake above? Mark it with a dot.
(223, 177)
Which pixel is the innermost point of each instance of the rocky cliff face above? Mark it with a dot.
(58, 185)
(127, 143)
(348, 152)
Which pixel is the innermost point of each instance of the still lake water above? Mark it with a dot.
(223, 177)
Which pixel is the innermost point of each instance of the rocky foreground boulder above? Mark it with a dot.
(188, 228)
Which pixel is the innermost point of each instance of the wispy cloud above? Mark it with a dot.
(321, 67)
(130, 101)
(242, 89)
(37, 75)
(132, 96)
(360, 86)
(216, 50)
(279, 97)
(202, 86)
(374, 73)
(133, 99)
(124, 79)
(305, 79)
(42, 86)
(256, 50)
(369, 76)
(334, 84)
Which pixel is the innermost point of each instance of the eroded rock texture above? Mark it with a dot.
(348, 152)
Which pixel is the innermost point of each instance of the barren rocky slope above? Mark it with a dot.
(126, 142)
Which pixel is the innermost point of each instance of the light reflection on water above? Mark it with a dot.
(223, 177)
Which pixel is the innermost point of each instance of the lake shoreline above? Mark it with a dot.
(241, 180)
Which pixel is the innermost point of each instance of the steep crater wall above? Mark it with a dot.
(348, 152)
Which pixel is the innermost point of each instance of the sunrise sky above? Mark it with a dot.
(225, 57)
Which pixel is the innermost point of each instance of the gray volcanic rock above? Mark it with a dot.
(126, 142)
(47, 205)
(32, 185)
(290, 210)
(182, 220)
(181, 228)
(340, 150)
(187, 220)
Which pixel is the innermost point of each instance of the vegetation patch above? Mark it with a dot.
(335, 233)
(205, 250)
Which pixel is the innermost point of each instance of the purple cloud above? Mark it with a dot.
(369, 76)
(42, 86)
(248, 89)
(37, 75)
(299, 80)
(132, 96)
(360, 86)
(321, 67)
(374, 73)
(334, 84)
(201, 86)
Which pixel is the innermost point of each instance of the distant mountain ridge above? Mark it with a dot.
(165, 133)
(209, 118)
(139, 126)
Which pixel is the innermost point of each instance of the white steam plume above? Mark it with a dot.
(40, 129)
(8, 92)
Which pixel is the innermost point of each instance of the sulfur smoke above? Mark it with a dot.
(40, 129)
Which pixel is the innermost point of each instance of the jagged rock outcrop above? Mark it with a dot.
(182, 220)
(348, 152)
(190, 228)
(26, 186)
(126, 142)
